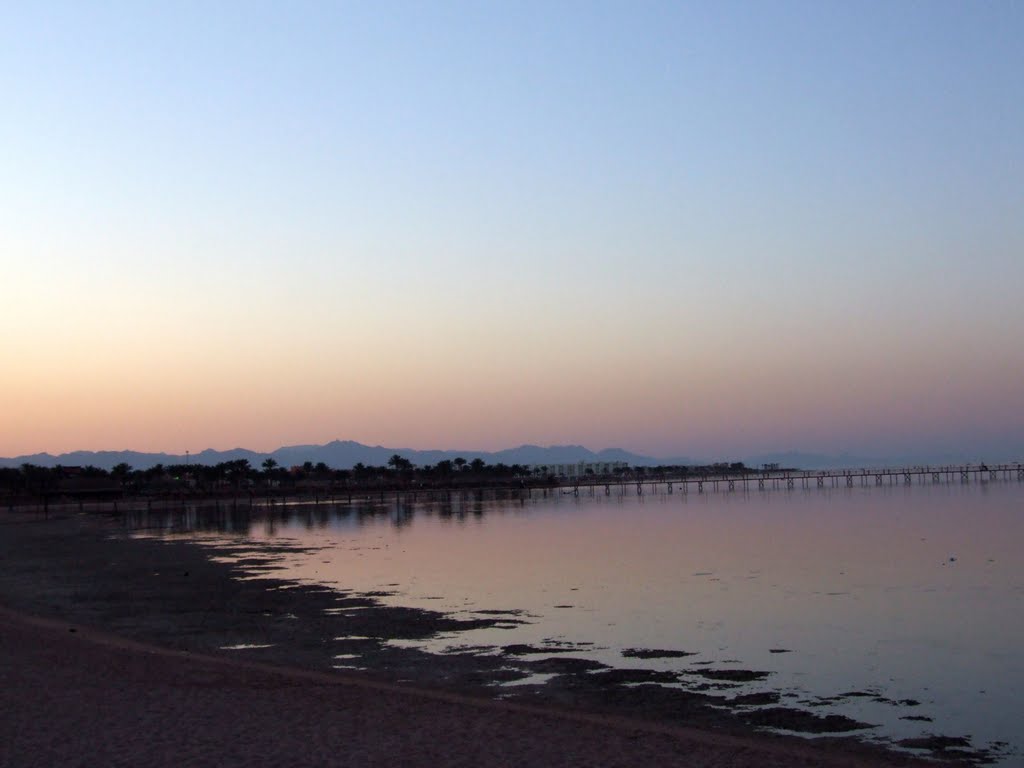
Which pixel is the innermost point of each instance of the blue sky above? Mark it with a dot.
(678, 228)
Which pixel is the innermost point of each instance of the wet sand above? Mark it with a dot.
(112, 652)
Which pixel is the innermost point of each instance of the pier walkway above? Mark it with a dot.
(682, 483)
(792, 479)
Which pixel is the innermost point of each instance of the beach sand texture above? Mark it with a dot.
(75, 693)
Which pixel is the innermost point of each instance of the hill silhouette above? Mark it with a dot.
(340, 454)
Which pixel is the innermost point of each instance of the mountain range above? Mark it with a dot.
(344, 454)
(340, 454)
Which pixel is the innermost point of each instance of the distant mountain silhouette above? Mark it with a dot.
(339, 454)
(344, 454)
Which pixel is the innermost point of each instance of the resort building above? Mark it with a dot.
(580, 468)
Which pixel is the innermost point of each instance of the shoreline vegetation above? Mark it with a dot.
(237, 484)
(100, 594)
(235, 481)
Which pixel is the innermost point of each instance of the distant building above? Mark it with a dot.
(579, 469)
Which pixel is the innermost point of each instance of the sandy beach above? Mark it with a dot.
(112, 654)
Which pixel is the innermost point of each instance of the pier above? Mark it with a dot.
(680, 483)
(793, 479)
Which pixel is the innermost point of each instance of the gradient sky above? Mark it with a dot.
(701, 229)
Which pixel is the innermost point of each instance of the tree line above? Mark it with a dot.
(239, 476)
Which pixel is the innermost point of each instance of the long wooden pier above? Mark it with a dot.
(681, 483)
(793, 479)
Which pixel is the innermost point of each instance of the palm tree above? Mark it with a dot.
(238, 471)
(399, 463)
(270, 470)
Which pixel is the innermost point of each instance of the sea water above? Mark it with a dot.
(900, 606)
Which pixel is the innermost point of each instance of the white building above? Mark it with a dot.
(579, 469)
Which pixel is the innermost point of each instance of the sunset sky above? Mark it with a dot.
(704, 229)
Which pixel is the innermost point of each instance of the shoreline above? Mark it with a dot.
(149, 597)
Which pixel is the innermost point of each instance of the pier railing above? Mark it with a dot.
(792, 479)
(621, 484)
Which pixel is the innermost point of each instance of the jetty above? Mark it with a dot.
(661, 481)
(791, 479)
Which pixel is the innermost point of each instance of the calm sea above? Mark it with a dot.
(901, 607)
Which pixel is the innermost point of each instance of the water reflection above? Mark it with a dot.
(897, 606)
(399, 512)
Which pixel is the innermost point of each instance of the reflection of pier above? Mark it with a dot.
(399, 506)
(793, 479)
(184, 512)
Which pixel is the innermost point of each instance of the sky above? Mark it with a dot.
(685, 229)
